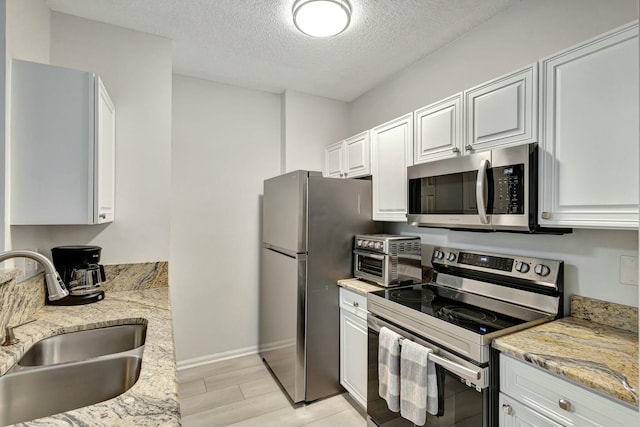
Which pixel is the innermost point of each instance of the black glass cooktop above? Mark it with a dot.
(452, 306)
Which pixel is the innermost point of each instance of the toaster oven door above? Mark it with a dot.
(371, 266)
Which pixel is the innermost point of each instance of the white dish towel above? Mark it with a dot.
(418, 383)
(389, 368)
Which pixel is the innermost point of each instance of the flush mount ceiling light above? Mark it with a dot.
(321, 18)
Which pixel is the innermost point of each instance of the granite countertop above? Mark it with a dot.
(596, 355)
(359, 286)
(153, 400)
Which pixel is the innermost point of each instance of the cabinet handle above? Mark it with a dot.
(507, 409)
(565, 404)
(546, 215)
(468, 147)
(455, 149)
(355, 304)
(345, 174)
(103, 216)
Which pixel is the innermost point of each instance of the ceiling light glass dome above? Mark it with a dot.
(321, 18)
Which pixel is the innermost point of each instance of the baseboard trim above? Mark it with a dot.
(212, 358)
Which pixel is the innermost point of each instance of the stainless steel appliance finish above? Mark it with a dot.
(493, 191)
(473, 298)
(388, 259)
(309, 223)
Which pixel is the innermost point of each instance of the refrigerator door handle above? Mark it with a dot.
(285, 252)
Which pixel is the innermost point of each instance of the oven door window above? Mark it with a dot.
(463, 406)
(452, 194)
(371, 265)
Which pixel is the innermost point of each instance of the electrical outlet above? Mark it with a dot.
(629, 270)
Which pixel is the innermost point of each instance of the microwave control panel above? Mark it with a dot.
(508, 189)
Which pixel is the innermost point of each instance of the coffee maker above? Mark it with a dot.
(79, 269)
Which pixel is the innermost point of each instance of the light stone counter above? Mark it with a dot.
(153, 400)
(588, 352)
(359, 286)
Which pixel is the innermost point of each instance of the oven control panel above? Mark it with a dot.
(543, 271)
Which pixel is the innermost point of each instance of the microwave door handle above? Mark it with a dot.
(481, 182)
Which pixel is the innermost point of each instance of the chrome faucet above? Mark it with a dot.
(55, 286)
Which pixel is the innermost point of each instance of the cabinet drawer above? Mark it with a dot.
(353, 302)
(547, 394)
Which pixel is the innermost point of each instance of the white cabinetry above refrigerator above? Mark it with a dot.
(62, 146)
(350, 158)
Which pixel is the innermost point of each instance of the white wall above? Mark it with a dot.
(226, 141)
(27, 37)
(521, 35)
(310, 123)
(136, 69)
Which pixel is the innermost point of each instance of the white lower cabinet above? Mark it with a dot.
(514, 414)
(531, 396)
(589, 134)
(353, 344)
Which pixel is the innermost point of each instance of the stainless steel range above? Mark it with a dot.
(473, 298)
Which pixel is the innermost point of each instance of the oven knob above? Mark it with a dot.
(359, 243)
(438, 255)
(378, 245)
(542, 270)
(451, 256)
(370, 244)
(522, 267)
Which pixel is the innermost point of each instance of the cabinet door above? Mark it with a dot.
(503, 111)
(438, 130)
(357, 159)
(353, 356)
(105, 156)
(514, 414)
(391, 153)
(559, 400)
(333, 160)
(590, 99)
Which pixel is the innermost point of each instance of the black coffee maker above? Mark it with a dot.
(79, 269)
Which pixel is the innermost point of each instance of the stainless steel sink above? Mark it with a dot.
(47, 390)
(84, 345)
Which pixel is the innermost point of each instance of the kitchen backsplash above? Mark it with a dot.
(127, 277)
(607, 313)
(20, 299)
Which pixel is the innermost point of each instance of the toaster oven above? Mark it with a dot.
(388, 260)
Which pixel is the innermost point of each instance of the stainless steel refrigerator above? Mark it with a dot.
(308, 226)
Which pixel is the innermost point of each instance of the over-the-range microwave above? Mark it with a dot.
(494, 190)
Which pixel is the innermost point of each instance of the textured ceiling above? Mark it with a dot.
(254, 44)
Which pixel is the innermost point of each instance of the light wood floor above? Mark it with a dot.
(242, 392)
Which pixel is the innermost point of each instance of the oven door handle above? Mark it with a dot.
(481, 184)
(460, 370)
(370, 255)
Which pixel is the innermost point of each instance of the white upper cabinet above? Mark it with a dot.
(62, 146)
(333, 160)
(350, 158)
(589, 133)
(438, 130)
(503, 111)
(391, 154)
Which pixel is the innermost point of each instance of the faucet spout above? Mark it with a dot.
(55, 286)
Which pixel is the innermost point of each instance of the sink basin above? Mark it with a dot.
(48, 390)
(82, 345)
